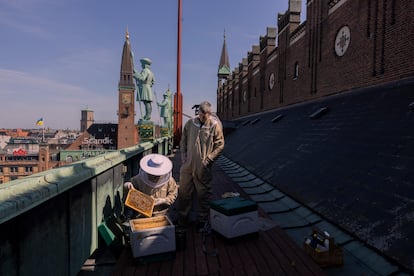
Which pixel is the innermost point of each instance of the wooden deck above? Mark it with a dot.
(271, 252)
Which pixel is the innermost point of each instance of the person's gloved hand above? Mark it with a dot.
(159, 201)
(128, 185)
(206, 162)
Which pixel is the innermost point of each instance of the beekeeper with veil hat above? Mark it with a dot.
(154, 179)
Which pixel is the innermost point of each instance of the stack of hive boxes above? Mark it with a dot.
(149, 235)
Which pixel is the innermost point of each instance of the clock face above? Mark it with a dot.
(343, 38)
(271, 81)
(126, 98)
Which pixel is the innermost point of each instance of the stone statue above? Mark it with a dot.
(145, 80)
(165, 111)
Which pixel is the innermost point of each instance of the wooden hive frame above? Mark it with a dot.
(147, 223)
(140, 202)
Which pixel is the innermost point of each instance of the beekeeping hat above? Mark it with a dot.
(157, 165)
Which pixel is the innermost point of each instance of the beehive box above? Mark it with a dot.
(234, 217)
(151, 236)
(140, 202)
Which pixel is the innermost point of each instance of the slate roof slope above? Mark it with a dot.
(354, 165)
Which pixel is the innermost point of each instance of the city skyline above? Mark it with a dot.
(60, 57)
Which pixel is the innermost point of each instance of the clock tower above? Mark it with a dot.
(127, 131)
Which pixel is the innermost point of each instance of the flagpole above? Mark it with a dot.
(178, 100)
(40, 123)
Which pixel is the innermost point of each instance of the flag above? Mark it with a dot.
(39, 122)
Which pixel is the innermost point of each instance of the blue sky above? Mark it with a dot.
(58, 57)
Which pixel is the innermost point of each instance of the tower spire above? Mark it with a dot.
(127, 65)
(224, 65)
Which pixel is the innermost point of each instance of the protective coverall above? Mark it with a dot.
(201, 144)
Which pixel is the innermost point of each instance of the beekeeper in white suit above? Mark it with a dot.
(154, 179)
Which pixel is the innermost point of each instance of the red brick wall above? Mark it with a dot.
(399, 40)
(354, 68)
(381, 50)
(297, 89)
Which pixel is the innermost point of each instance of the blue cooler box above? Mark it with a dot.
(233, 217)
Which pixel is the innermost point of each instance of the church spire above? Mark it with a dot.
(224, 66)
(127, 65)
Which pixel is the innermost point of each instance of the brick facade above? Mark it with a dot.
(305, 65)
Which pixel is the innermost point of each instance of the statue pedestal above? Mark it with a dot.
(164, 131)
(146, 131)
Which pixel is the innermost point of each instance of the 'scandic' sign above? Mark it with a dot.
(93, 141)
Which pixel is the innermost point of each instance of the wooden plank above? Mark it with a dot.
(211, 254)
(299, 261)
(178, 264)
(223, 259)
(269, 258)
(189, 254)
(151, 268)
(279, 254)
(140, 269)
(120, 264)
(310, 264)
(166, 267)
(249, 258)
(201, 262)
(129, 271)
(259, 259)
(239, 270)
(125, 265)
(235, 259)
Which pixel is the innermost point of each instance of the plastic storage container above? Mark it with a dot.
(234, 217)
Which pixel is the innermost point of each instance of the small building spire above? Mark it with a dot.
(224, 65)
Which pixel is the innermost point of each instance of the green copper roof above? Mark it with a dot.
(224, 70)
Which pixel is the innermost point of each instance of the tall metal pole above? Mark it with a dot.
(179, 48)
(178, 98)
